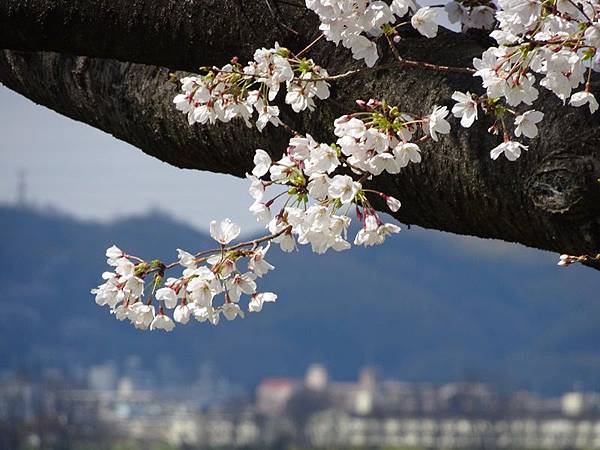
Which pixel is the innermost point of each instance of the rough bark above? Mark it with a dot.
(548, 199)
(178, 34)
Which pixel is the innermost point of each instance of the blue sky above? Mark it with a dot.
(73, 167)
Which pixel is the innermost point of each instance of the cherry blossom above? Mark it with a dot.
(511, 149)
(424, 21)
(256, 304)
(437, 122)
(168, 296)
(262, 163)
(407, 152)
(344, 188)
(225, 231)
(526, 123)
(162, 322)
(465, 108)
(582, 98)
(182, 314)
(392, 202)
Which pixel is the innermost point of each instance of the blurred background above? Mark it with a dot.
(430, 341)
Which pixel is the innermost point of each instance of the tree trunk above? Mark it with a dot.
(548, 199)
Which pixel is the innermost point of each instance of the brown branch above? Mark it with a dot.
(549, 198)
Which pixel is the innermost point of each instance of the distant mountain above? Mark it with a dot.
(426, 306)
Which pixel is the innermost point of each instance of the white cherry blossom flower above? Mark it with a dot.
(384, 161)
(113, 253)
(124, 267)
(349, 126)
(344, 188)
(298, 97)
(232, 310)
(286, 242)
(182, 314)
(465, 108)
(318, 186)
(436, 122)
(592, 35)
(225, 231)
(376, 140)
(526, 123)
(283, 170)
(558, 83)
(401, 7)
(387, 229)
(364, 48)
(240, 283)
(257, 262)
(266, 115)
(424, 21)
(203, 287)
(135, 286)
(257, 187)
(406, 152)
(186, 259)
(256, 304)
(120, 312)
(207, 313)
(262, 163)
(583, 97)
(456, 12)
(140, 315)
(323, 158)
(393, 203)
(162, 322)
(511, 149)
(168, 296)
(261, 212)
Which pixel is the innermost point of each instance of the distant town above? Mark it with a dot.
(109, 408)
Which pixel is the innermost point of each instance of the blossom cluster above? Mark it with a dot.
(231, 91)
(193, 294)
(322, 184)
(356, 24)
(549, 43)
(557, 40)
(323, 181)
(552, 44)
(379, 139)
(318, 201)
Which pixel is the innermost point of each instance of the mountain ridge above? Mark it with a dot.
(423, 307)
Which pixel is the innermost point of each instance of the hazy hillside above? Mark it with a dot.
(427, 306)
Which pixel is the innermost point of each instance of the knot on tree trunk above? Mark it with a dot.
(566, 184)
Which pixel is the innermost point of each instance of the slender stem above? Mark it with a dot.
(403, 62)
(393, 48)
(254, 242)
(309, 46)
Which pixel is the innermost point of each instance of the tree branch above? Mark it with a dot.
(178, 34)
(547, 199)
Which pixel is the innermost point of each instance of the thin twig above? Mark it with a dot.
(253, 242)
(311, 45)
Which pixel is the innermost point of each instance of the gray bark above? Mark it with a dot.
(547, 199)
